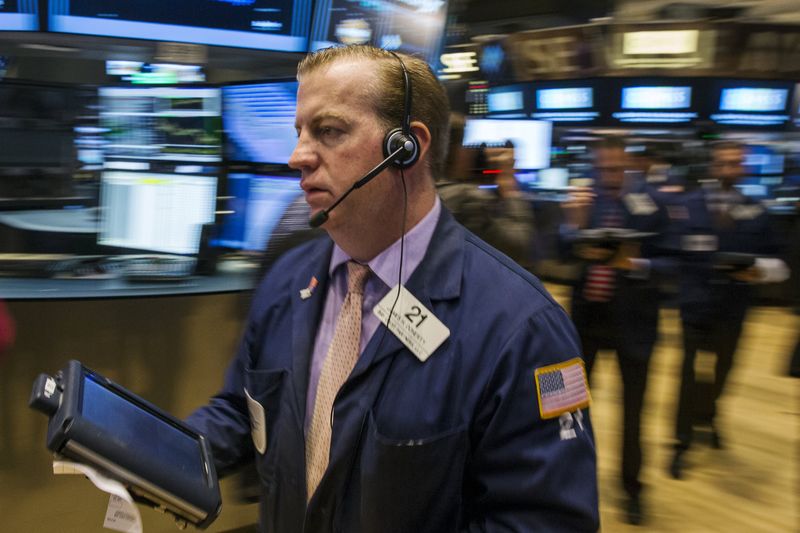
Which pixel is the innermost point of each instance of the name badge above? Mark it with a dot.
(746, 212)
(640, 204)
(412, 323)
(699, 243)
(258, 423)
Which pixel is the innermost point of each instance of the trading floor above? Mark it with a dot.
(753, 484)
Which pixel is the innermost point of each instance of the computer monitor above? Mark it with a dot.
(508, 101)
(752, 103)
(569, 102)
(259, 122)
(280, 25)
(21, 15)
(415, 26)
(257, 204)
(155, 212)
(162, 123)
(531, 139)
(656, 102)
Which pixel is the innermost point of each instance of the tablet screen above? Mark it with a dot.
(141, 432)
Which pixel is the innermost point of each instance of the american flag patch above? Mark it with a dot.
(562, 388)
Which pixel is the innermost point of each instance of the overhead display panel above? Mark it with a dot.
(752, 103)
(19, 15)
(570, 101)
(655, 101)
(411, 26)
(280, 25)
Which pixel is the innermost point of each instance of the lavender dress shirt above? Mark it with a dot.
(384, 267)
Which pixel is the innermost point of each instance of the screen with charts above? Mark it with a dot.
(162, 123)
(412, 26)
(259, 122)
(155, 212)
(750, 103)
(531, 139)
(257, 204)
(280, 25)
(19, 15)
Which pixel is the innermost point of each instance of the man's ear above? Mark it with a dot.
(423, 135)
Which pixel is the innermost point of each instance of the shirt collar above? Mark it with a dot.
(384, 265)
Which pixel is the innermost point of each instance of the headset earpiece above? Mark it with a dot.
(396, 139)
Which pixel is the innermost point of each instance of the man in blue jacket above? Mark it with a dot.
(726, 243)
(615, 302)
(468, 412)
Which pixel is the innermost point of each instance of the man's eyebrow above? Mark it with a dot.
(326, 115)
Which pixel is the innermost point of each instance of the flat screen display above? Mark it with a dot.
(655, 103)
(19, 15)
(507, 101)
(280, 25)
(750, 103)
(155, 212)
(259, 122)
(257, 204)
(412, 26)
(575, 101)
(162, 123)
(143, 434)
(531, 139)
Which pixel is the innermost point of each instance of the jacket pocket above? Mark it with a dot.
(412, 485)
(263, 389)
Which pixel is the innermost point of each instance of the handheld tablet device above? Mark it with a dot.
(163, 462)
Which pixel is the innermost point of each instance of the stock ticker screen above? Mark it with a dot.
(280, 25)
(411, 26)
(19, 15)
(162, 123)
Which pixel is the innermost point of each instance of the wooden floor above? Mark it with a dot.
(753, 484)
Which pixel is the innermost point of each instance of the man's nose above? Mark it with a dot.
(303, 156)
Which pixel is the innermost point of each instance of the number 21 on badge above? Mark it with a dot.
(414, 324)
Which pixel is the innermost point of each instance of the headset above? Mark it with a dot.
(400, 149)
(402, 136)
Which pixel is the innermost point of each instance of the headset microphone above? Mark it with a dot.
(322, 216)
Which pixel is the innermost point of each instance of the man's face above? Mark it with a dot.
(339, 140)
(610, 164)
(727, 165)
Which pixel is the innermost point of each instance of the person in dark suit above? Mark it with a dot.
(725, 242)
(616, 300)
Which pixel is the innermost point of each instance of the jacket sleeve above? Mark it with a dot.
(528, 473)
(225, 420)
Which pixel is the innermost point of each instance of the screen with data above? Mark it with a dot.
(257, 204)
(259, 122)
(162, 123)
(155, 212)
(531, 139)
(412, 26)
(262, 24)
(655, 102)
(19, 15)
(752, 103)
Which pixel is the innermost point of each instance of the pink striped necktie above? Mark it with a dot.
(339, 363)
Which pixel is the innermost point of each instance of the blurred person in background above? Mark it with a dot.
(726, 242)
(502, 217)
(615, 302)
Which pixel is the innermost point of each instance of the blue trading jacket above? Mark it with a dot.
(452, 444)
(706, 293)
